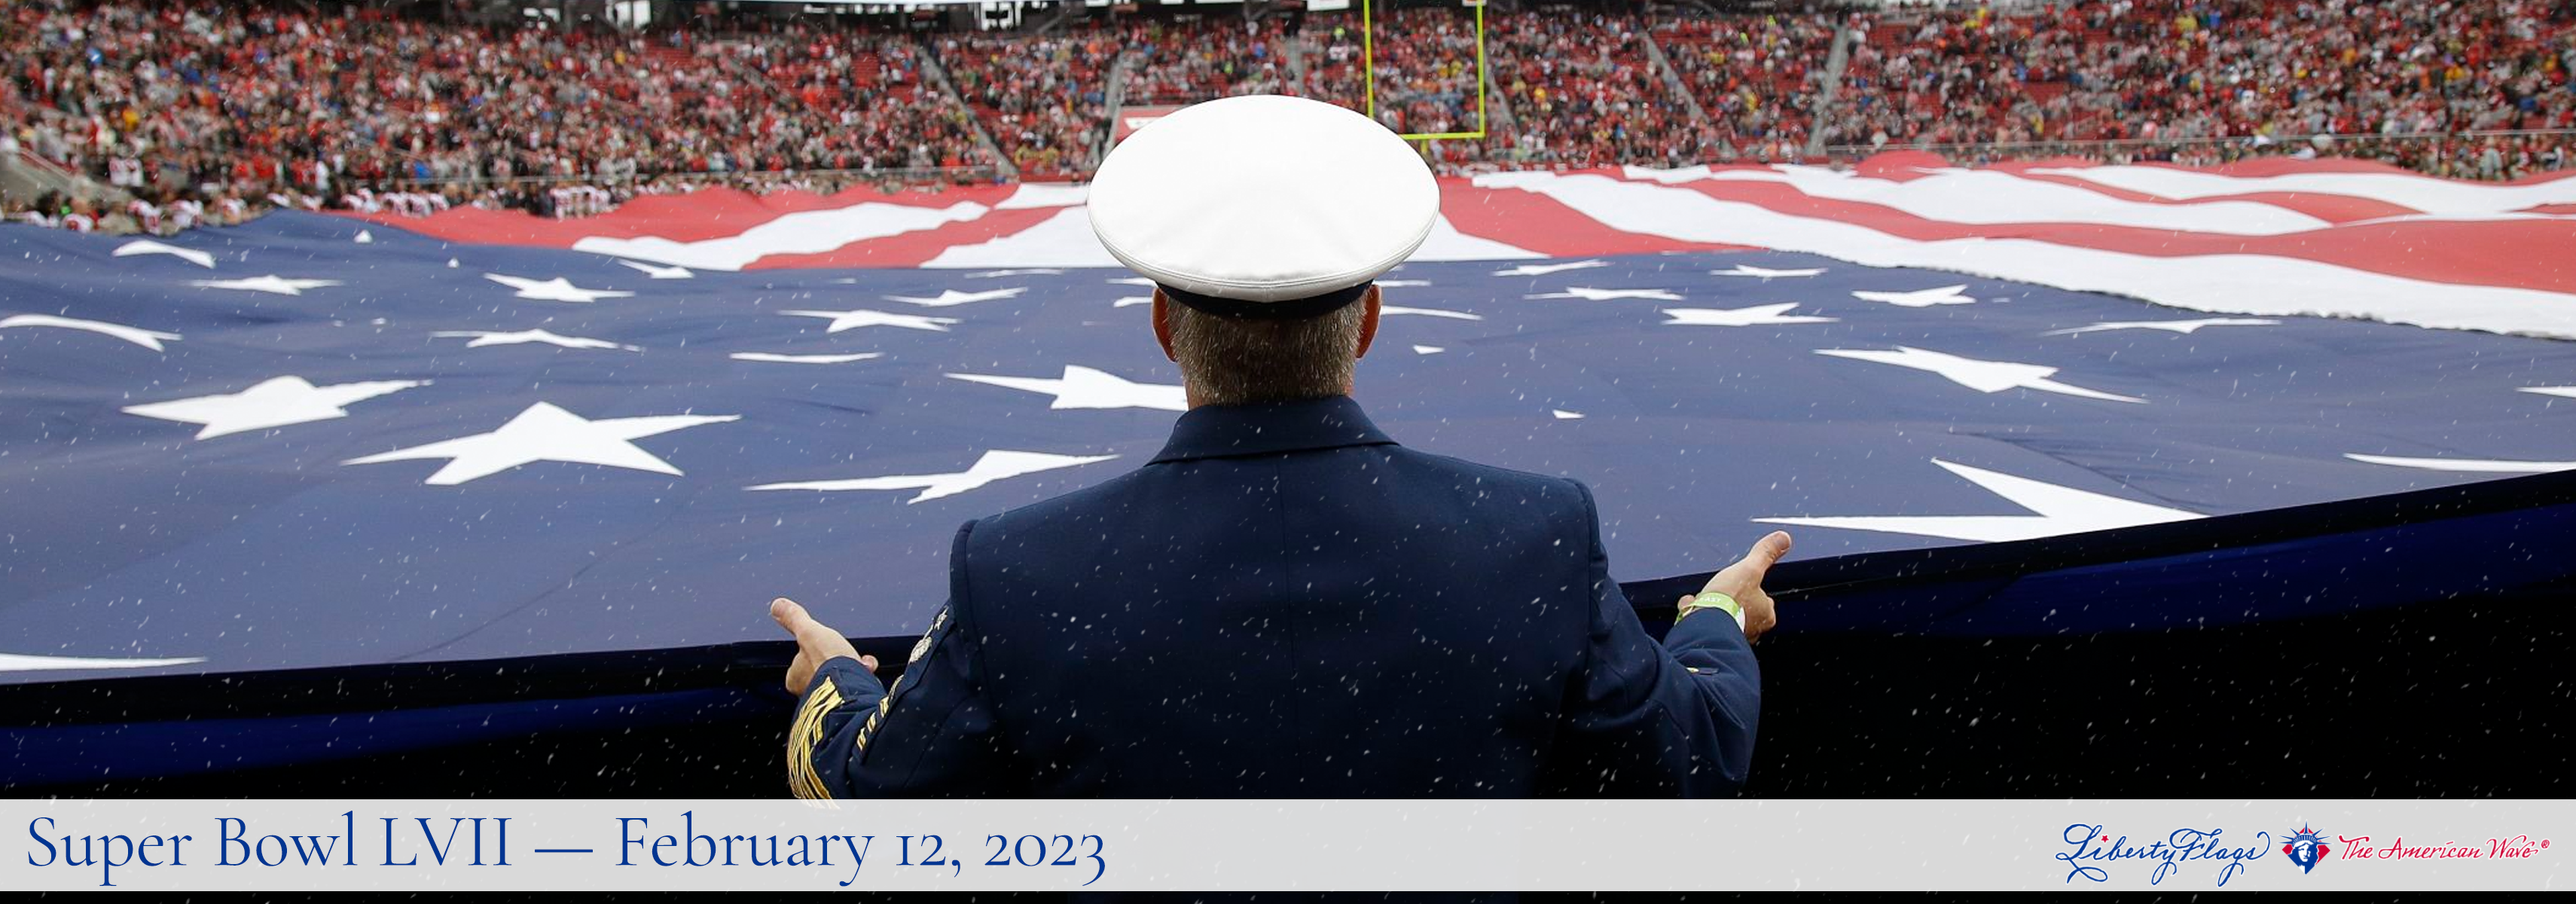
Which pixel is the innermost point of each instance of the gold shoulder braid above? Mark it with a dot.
(920, 650)
(802, 738)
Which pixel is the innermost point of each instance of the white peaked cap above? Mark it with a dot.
(1254, 201)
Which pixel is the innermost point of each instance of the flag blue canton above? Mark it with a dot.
(312, 451)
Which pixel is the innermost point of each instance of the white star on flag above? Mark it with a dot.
(148, 246)
(1031, 271)
(1564, 415)
(365, 238)
(150, 339)
(275, 402)
(1402, 283)
(1767, 274)
(1428, 349)
(2467, 465)
(776, 358)
(674, 272)
(272, 284)
(851, 320)
(1132, 301)
(1588, 293)
(1401, 311)
(2055, 510)
(1083, 387)
(2185, 327)
(21, 662)
(522, 337)
(949, 298)
(1131, 281)
(1757, 315)
(2564, 392)
(556, 289)
(999, 464)
(1920, 298)
(1545, 269)
(1982, 376)
(547, 433)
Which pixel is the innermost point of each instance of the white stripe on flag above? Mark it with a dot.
(2222, 283)
(1991, 197)
(1063, 240)
(2430, 195)
(803, 232)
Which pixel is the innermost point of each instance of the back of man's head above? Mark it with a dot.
(1242, 360)
(1263, 222)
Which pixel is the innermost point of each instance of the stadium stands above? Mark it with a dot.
(2266, 73)
(277, 99)
(303, 105)
(1584, 94)
(1187, 62)
(1755, 76)
(1425, 67)
(1043, 98)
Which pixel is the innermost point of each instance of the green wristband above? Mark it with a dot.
(1711, 600)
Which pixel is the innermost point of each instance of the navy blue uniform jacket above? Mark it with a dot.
(1285, 603)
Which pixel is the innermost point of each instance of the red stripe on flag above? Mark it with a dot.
(2261, 167)
(1542, 224)
(913, 249)
(1896, 166)
(2328, 207)
(2513, 253)
(711, 213)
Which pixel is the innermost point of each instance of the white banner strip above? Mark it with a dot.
(2179, 845)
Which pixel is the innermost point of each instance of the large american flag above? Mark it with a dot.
(324, 440)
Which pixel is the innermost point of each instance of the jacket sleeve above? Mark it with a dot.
(929, 735)
(1649, 719)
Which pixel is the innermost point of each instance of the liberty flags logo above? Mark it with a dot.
(2305, 848)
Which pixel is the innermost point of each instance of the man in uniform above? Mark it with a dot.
(1285, 602)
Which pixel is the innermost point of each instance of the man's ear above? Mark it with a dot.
(1368, 323)
(1163, 324)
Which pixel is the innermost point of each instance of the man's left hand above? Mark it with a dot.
(1742, 582)
(816, 643)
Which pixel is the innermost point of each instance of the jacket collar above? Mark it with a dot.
(1217, 431)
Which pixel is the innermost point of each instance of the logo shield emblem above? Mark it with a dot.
(2305, 848)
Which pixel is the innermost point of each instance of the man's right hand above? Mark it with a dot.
(1742, 581)
(816, 643)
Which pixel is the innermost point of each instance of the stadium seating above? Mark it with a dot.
(1042, 98)
(263, 100)
(1583, 93)
(2266, 72)
(1186, 62)
(1755, 76)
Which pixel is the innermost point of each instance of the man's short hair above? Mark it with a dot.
(1236, 361)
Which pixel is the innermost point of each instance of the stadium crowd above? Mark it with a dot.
(1577, 89)
(1192, 60)
(1425, 70)
(2202, 81)
(1755, 76)
(1043, 98)
(1584, 93)
(195, 112)
(260, 100)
